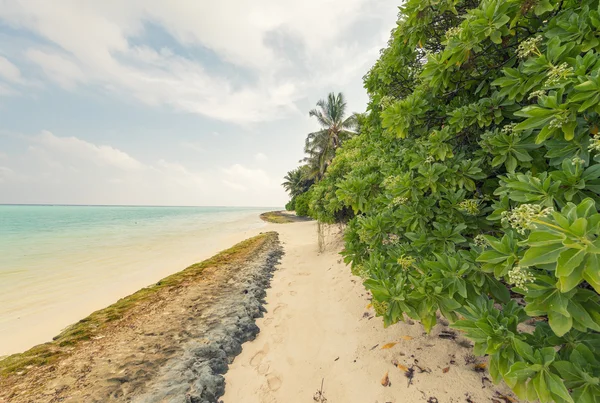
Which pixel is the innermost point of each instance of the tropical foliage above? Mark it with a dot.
(475, 183)
(321, 145)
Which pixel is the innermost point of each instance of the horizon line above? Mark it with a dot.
(122, 205)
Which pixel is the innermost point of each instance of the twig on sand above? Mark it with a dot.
(319, 396)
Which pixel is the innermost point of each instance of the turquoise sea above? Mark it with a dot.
(60, 263)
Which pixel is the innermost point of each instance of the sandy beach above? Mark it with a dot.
(319, 341)
(319, 329)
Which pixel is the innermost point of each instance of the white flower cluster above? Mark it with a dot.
(595, 143)
(406, 261)
(509, 128)
(520, 277)
(522, 217)
(558, 121)
(469, 206)
(558, 73)
(398, 201)
(577, 161)
(480, 240)
(392, 239)
(529, 46)
(536, 94)
(454, 31)
(429, 160)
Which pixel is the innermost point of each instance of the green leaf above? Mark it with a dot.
(559, 323)
(543, 6)
(568, 260)
(557, 387)
(541, 255)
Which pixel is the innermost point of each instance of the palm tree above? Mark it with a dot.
(297, 181)
(335, 128)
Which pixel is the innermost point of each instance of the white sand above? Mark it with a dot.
(316, 331)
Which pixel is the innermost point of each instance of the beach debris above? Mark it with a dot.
(483, 379)
(505, 398)
(395, 363)
(464, 343)
(480, 367)
(388, 346)
(337, 359)
(447, 334)
(374, 347)
(446, 370)
(469, 398)
(410, 374)
(432, 400)
(470, 358)
(385, 381)
(369, 306)
(319, 396)
(406, 337)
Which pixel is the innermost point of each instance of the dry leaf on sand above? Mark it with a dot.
(385, 381)
(389, 345)
(446, 370)
(402, 367)
(407, 337)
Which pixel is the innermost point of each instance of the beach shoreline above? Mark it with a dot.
(70, 286)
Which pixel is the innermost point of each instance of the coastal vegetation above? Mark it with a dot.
(101, 322)
(472, 188)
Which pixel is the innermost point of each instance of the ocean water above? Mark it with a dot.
(60, 263)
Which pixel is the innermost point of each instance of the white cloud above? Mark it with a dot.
(234, 186)
(9, 71)
(194, 146)
(72, 170)
(58, 68)
(275, 43)
(240, 173)
(5, 174)
(260, 157)
(74, 148)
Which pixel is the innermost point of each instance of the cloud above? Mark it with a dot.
(234, 186)
(9, 71)
(74, 148)
(270, 57)
(5, 174)
(58, 68)
(57, 169)
(238, 172)
(260, 157)
(194, 146)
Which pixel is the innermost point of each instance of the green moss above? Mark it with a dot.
(87, 328)
(277, 217)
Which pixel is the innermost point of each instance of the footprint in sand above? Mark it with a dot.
(278, 308)
(274, 383)
(279, 294)
(257, 358)
(263, 368)
(292, 293)
(268, 321)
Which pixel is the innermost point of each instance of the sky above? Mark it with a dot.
(179, 102)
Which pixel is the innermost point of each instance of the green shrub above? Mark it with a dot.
(476, 174)
(291, 205)
(301, 204)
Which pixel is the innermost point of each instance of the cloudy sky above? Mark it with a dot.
(179, 102)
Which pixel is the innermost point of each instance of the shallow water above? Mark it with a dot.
(60, 263)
